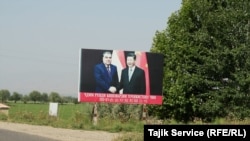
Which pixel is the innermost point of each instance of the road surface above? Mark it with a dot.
(8, 135)
(52, 133)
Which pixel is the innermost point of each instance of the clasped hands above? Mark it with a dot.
(112, 89)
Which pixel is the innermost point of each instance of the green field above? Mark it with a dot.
(74, 116)
(65, 111)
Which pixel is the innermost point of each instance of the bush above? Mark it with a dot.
(3, 116)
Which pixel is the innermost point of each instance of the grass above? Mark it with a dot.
(75, 116)
(65, 111)
(78, 116)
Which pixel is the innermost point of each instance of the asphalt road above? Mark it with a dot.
(7, 135)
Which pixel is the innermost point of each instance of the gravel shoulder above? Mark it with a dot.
(59, 133)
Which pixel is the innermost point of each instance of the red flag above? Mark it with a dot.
(118, 60)
(141, 61)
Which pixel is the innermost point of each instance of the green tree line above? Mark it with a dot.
(35, 96)
(207, 61)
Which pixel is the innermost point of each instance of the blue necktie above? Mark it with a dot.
(109, 71)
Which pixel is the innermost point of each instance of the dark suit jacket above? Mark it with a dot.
(103, 81)
(137, 84)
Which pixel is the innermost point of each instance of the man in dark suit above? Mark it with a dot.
(106, 75)
(132, 77)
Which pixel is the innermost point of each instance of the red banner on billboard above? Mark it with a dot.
(120, 98)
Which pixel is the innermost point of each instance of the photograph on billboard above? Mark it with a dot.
(120, 76)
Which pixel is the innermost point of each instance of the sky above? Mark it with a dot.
(40, 40)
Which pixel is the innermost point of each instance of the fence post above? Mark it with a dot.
(144, 112)
(95, 114)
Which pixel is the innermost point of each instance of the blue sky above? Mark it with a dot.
(40, 40)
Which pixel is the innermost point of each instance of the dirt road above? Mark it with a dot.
(59, 133)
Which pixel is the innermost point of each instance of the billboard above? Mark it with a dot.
(119, 76)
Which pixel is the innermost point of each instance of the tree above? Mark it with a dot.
(16, 96)
(54, 97)
(25, 99)
(4, 95)
(35, 96)
(44, 97)
(207, 60)
(69, 99)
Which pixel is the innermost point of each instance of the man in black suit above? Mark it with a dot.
(132, 77)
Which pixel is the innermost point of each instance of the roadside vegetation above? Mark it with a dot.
(119, 118)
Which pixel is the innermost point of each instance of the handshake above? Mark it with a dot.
(112, 89)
